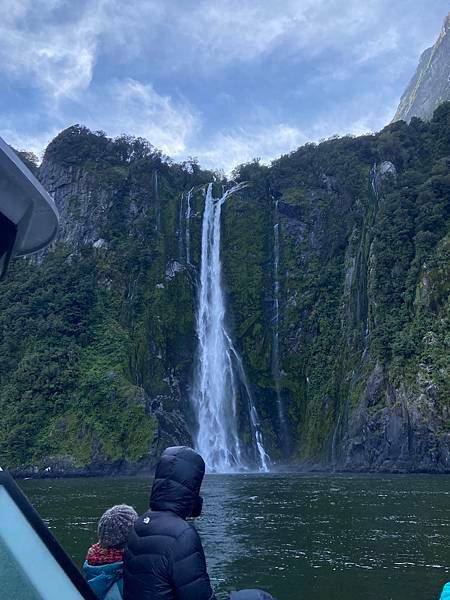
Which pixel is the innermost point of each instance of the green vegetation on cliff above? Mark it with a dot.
(99, 334)
(365, 270)
(93, 328)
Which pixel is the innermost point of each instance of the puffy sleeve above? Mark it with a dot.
(189, 576)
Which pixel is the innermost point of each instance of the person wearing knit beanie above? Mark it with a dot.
(104, 560)
(114, 526)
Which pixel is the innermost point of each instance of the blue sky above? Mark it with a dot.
(223, 80)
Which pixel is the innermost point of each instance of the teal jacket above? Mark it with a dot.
(106, 581)
(446, 592)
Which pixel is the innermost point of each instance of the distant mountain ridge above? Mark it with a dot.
(430, 85)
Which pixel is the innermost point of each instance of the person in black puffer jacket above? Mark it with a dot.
(164, 558)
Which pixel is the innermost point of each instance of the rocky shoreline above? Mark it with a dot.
(121, 469)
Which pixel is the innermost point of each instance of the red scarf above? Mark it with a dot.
(97, 555)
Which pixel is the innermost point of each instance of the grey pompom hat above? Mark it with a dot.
(115, 525)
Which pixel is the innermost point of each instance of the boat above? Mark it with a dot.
(33, 565)
(28, 216)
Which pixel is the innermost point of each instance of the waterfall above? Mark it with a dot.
(188, 227)
(184, 228)
(276, 373)
(180, 230)
(263, 457)
(157, 202)
(375, 180)
(220, 375)
(334, 442)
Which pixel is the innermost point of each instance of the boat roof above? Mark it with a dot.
(25, 203)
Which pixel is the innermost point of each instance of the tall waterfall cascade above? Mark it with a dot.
(220, 382)
(276, 372)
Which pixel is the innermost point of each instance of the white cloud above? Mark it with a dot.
(29, 142)
(58, 50)
(58, 47)
(57, 57)
(358, 116)
(126, 106)
(227, 149)
(232, 31)
(129, 106)
(209, 35)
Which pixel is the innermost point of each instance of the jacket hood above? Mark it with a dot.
(178, 478)
(102, 577)
(251, 595)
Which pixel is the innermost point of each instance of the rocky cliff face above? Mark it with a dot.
(360, 348)
(363, 354)
(100, 326)
(430, 85)
(97, 366)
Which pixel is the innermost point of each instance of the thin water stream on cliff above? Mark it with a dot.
(276, 372)
(188, 227)
(298, 536)
(184, 228)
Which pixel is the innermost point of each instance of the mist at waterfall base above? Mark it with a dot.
(299, 536)
(222, 397)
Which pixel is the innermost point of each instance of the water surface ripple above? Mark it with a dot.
(341, 537)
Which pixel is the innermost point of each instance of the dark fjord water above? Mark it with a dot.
(321, 537)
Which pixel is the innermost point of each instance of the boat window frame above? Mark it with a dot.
(8, 235)
(41, 529)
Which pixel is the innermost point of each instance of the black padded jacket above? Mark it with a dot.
(164, 558)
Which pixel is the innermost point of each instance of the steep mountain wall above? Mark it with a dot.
(100, 329)
(430, 85)
(99, 344)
